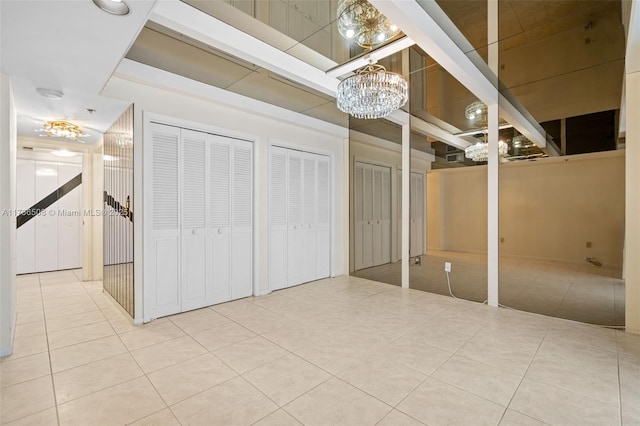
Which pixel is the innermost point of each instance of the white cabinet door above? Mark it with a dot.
(46, 251)
(219, 245)
(242, 217)
(323, 252)
(194, 240)
(163, 291)
(26, 234)
(278, 218)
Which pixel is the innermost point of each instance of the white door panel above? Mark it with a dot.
(46, 251)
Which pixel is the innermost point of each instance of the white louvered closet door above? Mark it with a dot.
(359, 216)
(163, 243)
(309, 225)
(194, 210)
(323, 217)
(376, 218)
(385, 217)
(242, 220)
(219, 232)
(367, 229)
(295, 240)
(417, 214)
(278, 219)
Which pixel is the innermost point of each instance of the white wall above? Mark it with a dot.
(372, 150)
(215, 112)
(8, 300)
(549, 208)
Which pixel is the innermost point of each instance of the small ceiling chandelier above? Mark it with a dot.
(521, 142)
(372, 92)
(62, 129)
(358, 20)
(120, 139)
(479, 151)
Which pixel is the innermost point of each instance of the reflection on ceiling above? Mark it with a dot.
(164, 49)
(559, 58)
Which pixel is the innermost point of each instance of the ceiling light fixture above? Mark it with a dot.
(372, 92)
(50, 93)
(521, 142)
(122, 140)
(360, 21)
(62, 129)
(114, 7)
(479, 151)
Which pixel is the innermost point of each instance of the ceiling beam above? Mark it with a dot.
(375, 55)
(429, 129)
(434, 33)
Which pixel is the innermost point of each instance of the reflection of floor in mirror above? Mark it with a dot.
(580, 292)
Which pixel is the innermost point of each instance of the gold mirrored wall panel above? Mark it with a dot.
(119, 211)
(562, 206)
(375, 158)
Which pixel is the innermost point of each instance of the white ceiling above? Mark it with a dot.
(71, 46)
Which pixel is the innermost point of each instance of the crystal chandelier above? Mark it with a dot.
(360, 21)
(62, 129)
(480, 150)
(372, 92)
(521, 142)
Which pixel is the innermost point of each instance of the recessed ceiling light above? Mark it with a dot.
(115, 7)
(50, 93)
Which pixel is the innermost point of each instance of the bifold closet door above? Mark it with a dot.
(46, 251)
(69, 225)
(278, 224)
(194, 254)
(300, 231)
(162, 277)
(242, 220)
(26, 234)
(295, 239)
(373, 215)
(417, 214)
(323, 223)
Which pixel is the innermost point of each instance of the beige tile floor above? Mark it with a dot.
(579, 292)
(342, 351)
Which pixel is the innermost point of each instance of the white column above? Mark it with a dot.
(406, 202)
(493, 184)
(8, 301)
(632, 208)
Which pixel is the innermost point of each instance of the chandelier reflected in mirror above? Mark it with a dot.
(62, 129)
(359, 21)
(479, 151)
(372, 92)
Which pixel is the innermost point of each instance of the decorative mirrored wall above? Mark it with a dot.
(119, 211)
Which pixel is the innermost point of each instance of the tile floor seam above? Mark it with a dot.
(523, 377)
(53, 383)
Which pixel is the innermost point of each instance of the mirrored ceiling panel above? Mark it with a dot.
(162, 48)
(323, 33)
(564, 62)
